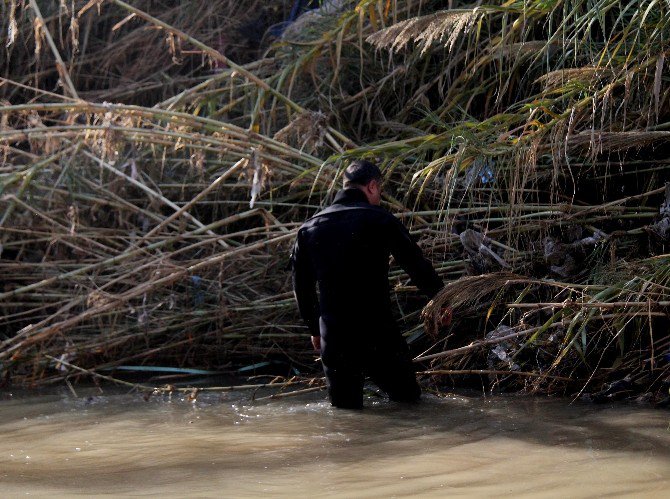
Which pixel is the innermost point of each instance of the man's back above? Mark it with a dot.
(345, 249)
(348, 248)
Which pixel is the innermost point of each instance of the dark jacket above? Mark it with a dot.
(344, 251)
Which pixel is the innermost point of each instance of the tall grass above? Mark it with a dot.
(525, 143)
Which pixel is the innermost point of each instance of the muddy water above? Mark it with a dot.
(121, 445)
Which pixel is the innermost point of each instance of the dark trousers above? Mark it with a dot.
(393, 373)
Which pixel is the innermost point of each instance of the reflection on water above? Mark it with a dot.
(227, 446)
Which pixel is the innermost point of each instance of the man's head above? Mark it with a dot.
(365, 176)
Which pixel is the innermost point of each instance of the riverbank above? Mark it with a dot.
(156, 165)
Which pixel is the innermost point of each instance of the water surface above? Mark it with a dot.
(227, 446)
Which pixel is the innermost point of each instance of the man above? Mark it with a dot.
(345, 250)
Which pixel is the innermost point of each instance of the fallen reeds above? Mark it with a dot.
(154, 170)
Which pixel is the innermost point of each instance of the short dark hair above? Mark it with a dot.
(360, 173)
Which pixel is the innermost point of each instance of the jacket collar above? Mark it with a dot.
(350, 196)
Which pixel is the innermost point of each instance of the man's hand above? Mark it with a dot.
(446, 314)
(316, 343)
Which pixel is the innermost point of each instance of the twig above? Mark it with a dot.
(493, 372)
(574, 304)
(291, 394)
(197, 198)
(60, 65)
(481, 343)
(101, 376)
(170, 388)
(155, 194)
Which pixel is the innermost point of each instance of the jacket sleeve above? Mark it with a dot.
(304, 286)
(409, 256)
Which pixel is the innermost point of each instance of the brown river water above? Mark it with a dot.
(114, 444)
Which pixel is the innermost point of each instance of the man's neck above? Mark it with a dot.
(350, 195)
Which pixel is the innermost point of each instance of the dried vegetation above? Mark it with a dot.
(157, 158)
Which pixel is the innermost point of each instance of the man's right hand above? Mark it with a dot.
(316, 343)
